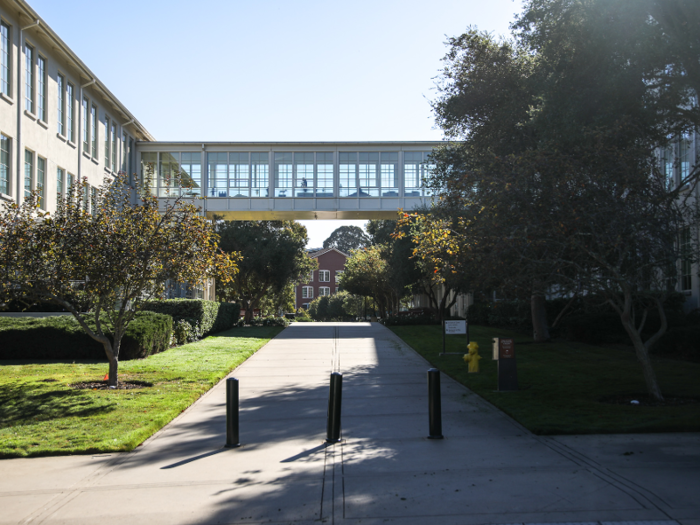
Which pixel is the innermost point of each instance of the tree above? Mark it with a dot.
(274, 256)
(108, 259)
(367, 274)
(347, 238)
(554, 183)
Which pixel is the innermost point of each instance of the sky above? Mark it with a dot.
(273, 70)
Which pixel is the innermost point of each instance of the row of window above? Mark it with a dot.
(36, 103)
(324, 276)
(298, 174)
(307, 292)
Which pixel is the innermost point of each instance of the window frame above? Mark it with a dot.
(40, 180)
(307, 292)
(322, 273)
(29, 79)
(42, 87)
(5, 59)
(60, 185)
(70, 112)
(324, 291)
(61, 105)
(93, 130)
(4, 139)
(28, 173)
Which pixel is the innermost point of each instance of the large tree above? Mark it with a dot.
(106, 256)
(273, 256)
(554, 179)
(347, 238)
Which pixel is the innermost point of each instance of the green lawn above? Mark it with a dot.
(562, 383)
(40, 414)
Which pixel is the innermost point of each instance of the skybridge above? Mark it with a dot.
(291, 180)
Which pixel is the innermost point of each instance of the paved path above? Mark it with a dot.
(488, 469)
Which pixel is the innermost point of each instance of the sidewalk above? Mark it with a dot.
(488, 469)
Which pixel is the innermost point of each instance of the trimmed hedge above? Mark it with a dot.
(205, 317)
(266, 321)
(409, 320)
(62, 337)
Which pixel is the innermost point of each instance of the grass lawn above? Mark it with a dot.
(561, 383)
(41, 415)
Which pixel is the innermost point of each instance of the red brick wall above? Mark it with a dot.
(331, 261)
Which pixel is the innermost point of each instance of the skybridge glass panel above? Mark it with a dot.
(149, 171)
(369, 174)
(260, 174)
(168, 175)
(284, 174)
(218, 174)
(347, 171)
(239, 174)
(191, 166)
(426, 171)
(389, 173)
(304, 174)
(324, 174)
(412, 161)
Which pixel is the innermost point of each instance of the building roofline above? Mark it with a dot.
(84, 71)
(373, 143)
(323, 251)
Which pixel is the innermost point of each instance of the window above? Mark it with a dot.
(324, 276)
(338, 274)
(284, 170)
(238, 175)
(93, 200)
(149, 171)
(5, 164)
(324, 291)
(41, 180)
(70, 180)
(336, 289)
(28, 172)
(29, 78)
(61, 103)
(389, 169)
(348, 174)
(368, 168)
(304, 174)
(305, 306)
(686, 261)
(70, 105)
(684, 151)
(311, 277)
(86, 126)
(108, 142)
(260, 174)
(125, 142)
(324, 174)
(93, 130)
(307, 292)
(191, 166)
(5, 60)
(218, 174)
(60, 185)
(667, 167)
(114, 146)
(41, 79)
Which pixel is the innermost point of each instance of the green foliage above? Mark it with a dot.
(347, 238)
(42, 415)
(561, 384)
(410, 320)
(120, 252)
(302, 316)
(682, 342)
(266, 321)
(61, 337)
(274, 257)
(204, 317)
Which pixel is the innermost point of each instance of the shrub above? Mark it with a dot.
(63, 338)
(682, 341)
(186, 331)
(205, 317)
(269, 321)
(406, 320)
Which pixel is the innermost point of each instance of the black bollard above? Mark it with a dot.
(434, 404)
(232, 413)
(334, 403)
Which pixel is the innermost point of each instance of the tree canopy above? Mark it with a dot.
(107, 257)
(553, 182)
(347, 238)
(273, 256)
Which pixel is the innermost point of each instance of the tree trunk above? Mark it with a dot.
(113, 368)
(540, 330)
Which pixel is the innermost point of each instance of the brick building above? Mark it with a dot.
(324, 281)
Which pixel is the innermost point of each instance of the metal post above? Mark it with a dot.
(232, 440)
(434, 404)
(334, 403)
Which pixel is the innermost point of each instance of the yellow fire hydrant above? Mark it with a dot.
(472, 357)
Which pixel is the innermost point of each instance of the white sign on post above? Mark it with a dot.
(455, 327)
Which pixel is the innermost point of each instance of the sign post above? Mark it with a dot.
(507, 371)
(454, 328)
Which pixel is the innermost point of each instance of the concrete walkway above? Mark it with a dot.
(488, 469)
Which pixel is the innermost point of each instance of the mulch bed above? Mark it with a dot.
(104, 385)
(647, 400)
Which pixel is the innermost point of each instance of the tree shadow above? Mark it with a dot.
(26, 404)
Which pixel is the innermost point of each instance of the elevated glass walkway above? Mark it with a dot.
(284, 180)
